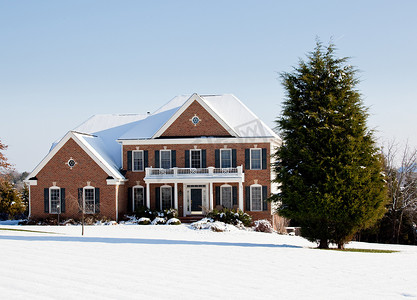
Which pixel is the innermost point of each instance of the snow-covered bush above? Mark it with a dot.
(158, 221)
(230, 216)
(173, 221)
(204, 223)
(263, 226)
(144, 221)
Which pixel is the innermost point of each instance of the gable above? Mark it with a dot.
(79, 145)
(207, 124)
(57, 169)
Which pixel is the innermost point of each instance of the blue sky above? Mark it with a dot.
(64, 61)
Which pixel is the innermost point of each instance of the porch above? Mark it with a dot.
(195, 187)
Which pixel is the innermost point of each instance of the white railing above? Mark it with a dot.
(194, 172)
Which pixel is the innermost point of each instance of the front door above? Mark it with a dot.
(196, 199)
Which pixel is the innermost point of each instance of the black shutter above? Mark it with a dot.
(203, 159)
(156, 158)
(247, 159)
(129, 160)
(97, 200)
(145, 159)
(264, 197)
(217, 158)
(234, 158)
(217, 195)
(187, 158)
(247, 198)
(144, 197)
(62, 200)
(80, 199)
(46, 200)
(172, 196)
(264, 158)
(157, 198)
(234, 195)
(129, 199)
(173, 158)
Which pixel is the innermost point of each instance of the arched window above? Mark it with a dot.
(166, 197)
(138, 197)
(226, 196)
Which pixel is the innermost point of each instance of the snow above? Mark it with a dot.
(165, 262)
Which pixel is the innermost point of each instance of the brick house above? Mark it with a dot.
(193, 154)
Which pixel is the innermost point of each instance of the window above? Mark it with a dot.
(256, 159)
(55, 200)
(138, 197)
(166, 195)
(195, 158)
(225, 158)
(165, 159)
(226, 196)
(89, 200)
(138, 160)
(256, 197)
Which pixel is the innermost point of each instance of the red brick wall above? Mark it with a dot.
(262, 176)
(182, 126)
(56, 170)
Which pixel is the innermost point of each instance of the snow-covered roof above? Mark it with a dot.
(101, 134)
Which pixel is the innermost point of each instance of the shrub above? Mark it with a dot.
(144, 212)
(158, 221)
(144, 221)
(263, 226)
(204, 223)
(173, 221)
(230, 216)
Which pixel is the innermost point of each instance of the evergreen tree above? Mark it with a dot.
(329, 168)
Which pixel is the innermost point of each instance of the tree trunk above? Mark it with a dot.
(399, 227)
(324, 244)
(341, 246)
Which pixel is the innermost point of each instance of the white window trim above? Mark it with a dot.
(160, 158)
(133, 160)
(201, 158)
(133, 195)
(231, 158)
(160, 196)
(50, 198)
(260, 158)
(231, 194)
(253, 186)
(94, 197)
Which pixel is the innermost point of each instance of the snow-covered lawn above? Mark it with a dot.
(176, 262)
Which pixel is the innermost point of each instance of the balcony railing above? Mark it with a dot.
(194, 172)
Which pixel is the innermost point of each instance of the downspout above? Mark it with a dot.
(117, 202)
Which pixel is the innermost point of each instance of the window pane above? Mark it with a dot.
(166, 198)
(138, 161)
(138, 197)
(256, 197)
(195, 159)
(55, 200)
(226, 158)
(255, 155)
(165, 159)
(226, 196)
(89, 200)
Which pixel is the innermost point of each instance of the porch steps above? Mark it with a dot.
(191, 218)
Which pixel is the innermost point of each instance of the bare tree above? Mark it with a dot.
(401, 177)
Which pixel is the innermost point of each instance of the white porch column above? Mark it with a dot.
(176, 195)
(148, 196)
(240, 200)
(211, 196)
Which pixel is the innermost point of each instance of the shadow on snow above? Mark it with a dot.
(111, 240)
